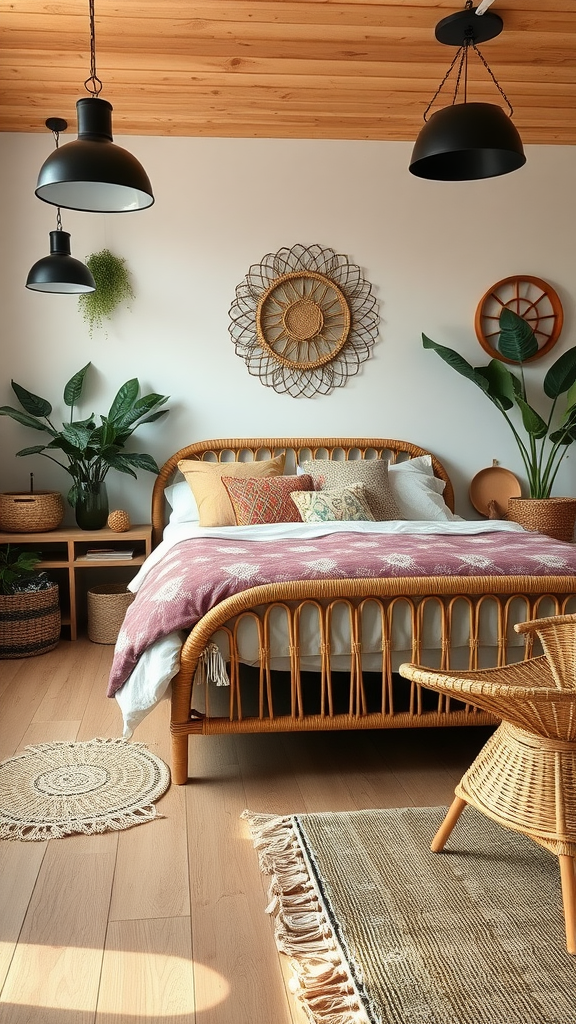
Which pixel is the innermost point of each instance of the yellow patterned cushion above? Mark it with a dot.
(205, 482)
(265, 501)
(373, 473)
(344, 503)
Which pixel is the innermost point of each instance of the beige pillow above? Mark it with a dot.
(334, 504)
(373, 473)
(205, 482)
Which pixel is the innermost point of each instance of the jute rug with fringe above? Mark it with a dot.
(54, 790)
(381, 930)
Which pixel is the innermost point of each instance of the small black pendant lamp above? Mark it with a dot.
(466, 141)
(60, 272)
(93, 173)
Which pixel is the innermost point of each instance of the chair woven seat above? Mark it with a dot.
(525, 775)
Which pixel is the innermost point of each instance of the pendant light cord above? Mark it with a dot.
(92, 84)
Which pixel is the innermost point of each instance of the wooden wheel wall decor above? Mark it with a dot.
(303, 320)
(533, 299)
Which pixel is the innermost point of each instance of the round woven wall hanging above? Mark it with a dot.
(531, 298)
(303, 320)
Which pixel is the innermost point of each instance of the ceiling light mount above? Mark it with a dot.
(466, 141)
(464, 25)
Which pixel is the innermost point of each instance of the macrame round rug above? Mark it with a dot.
(54, 790)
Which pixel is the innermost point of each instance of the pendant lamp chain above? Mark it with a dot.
(55, 124)
(93, 85)
(461, 58)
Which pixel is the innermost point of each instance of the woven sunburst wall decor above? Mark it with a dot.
(303, 320)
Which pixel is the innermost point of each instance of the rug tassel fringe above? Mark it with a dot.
(321, 978)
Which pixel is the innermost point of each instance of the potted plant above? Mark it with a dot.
(29, 609)
(90, 450)
(113, 286)
(543, 443)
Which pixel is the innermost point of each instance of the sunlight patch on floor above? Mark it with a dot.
(134, 985)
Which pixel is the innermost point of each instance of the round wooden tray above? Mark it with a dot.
(490, 490)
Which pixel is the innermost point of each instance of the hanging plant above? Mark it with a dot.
(112, 288)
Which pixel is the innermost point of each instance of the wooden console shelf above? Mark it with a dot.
(65, 550)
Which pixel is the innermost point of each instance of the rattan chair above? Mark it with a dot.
(525, 775)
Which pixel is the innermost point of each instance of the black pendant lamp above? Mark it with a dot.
(93, 173)
(60, 272)
(466, 141)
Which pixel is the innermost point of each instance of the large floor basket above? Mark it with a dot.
(29, 623)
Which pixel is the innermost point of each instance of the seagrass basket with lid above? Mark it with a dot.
(37, 512)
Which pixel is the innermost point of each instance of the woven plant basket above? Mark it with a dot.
(553, 516)
(107, 606)
(30, 513)
(29, 623)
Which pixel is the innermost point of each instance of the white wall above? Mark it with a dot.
(429, 249)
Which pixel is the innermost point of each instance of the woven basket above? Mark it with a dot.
(553, 516)
(30, 513)
(107, 606)
(29, 623)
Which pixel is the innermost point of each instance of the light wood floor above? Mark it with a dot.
(166, 922)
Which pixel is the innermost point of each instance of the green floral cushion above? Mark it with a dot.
(344, 503)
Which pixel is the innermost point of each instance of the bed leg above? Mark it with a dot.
(180, 759)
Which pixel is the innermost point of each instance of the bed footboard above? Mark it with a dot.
(378, 623)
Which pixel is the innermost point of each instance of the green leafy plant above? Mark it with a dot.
(546, 441)
(18, 570)
(90, 450)
(113, 287)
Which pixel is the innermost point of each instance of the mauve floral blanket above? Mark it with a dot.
(196, 574)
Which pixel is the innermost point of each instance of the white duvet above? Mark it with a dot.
(150, 680)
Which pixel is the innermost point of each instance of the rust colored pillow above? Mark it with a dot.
(265, 501)
(205, 482)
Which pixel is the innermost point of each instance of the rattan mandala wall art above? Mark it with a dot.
(303, 320)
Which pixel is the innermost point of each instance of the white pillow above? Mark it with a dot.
(182, 502)
(417, 491)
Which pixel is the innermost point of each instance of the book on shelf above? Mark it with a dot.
(103, 554)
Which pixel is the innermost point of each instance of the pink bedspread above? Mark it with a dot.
(196, 574)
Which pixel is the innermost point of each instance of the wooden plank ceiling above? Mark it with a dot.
(322, 69)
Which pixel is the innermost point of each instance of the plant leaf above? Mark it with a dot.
(124, 400)
(35, 450)
(73, 388)
(502, 385)
(25, 419)
(127, 460)
(33, 404)
(562, 374)
(457, 362)
(77, 436)
(532, 420)
(517, 340)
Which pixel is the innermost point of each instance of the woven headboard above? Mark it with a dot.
(248, 449)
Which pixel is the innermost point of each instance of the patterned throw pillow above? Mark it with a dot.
(344, 503)
(373, 473)
(265, 501)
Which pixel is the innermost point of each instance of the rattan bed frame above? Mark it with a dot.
(256, 603)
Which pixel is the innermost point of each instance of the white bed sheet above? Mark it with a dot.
(150, 680)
